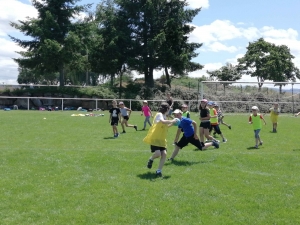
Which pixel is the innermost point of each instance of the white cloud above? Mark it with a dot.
(218, 46)
(219, 30)
(279, 33)
(12, 11)
(198, 3)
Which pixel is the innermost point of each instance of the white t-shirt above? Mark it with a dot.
(159, 117)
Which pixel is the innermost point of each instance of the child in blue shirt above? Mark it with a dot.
(189, 129)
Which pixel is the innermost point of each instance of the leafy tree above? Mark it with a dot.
(109, 55)
(158, 30)
(176, 52)
(31, 76)
(280, 65)
(267, 61)
(225, 73)
(54, 43)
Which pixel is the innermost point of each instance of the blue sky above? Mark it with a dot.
(224, 27)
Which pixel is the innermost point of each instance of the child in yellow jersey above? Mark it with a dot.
(157, 137)
(255, 119)
(274, 112)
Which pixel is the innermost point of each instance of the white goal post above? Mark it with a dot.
(247, 93)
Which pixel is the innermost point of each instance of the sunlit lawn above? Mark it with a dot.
(59, 169)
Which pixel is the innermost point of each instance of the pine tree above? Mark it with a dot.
(53, 44)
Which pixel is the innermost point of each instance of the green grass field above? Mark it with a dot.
(69, 170)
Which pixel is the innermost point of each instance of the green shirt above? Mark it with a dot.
(256, 121)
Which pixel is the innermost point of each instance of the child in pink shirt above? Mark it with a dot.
(146, 111)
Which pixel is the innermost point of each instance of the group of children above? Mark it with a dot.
(157, 134)
(210, 118)
(121, 113)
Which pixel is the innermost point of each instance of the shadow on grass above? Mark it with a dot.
(109, 138)
(186, 163)
(296, 149)
(152, 177)
(252, 148)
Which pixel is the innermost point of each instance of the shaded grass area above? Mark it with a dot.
(69, 170)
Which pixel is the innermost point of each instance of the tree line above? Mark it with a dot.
(121, 37)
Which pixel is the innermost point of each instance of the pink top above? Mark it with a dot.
(146, 110)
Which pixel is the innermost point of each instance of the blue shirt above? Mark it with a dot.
(187, 126)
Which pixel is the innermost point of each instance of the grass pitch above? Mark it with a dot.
(69, 170)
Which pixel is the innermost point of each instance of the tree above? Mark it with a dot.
(109, 55)
(54, 43)
(158, 33)
(280, 66)
(226, 73)
(267, 61)
(176, 52)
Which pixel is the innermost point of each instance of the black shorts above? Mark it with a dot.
(216, 128)
(205, 125)
(126, 118)
(155, 148)
(114, 121)
(185, 140)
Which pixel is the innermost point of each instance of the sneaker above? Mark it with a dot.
(261, 143)
(215, 144)
(229, 127)
(158, 174)
(117, 134)
(150, 162)
(135, 127)
(256, 146)
(170, 159)
(224, 140)
(123, 132)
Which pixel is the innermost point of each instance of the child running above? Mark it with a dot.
(146, 111)
(189, 129)
(214, 121)
(204, 122)
(221, 117)
(274, 112)
(125, 112)
(115, 116)
(156, 137)
(255, 119)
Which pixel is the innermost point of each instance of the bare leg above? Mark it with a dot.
(175, 152)
(162, 160)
